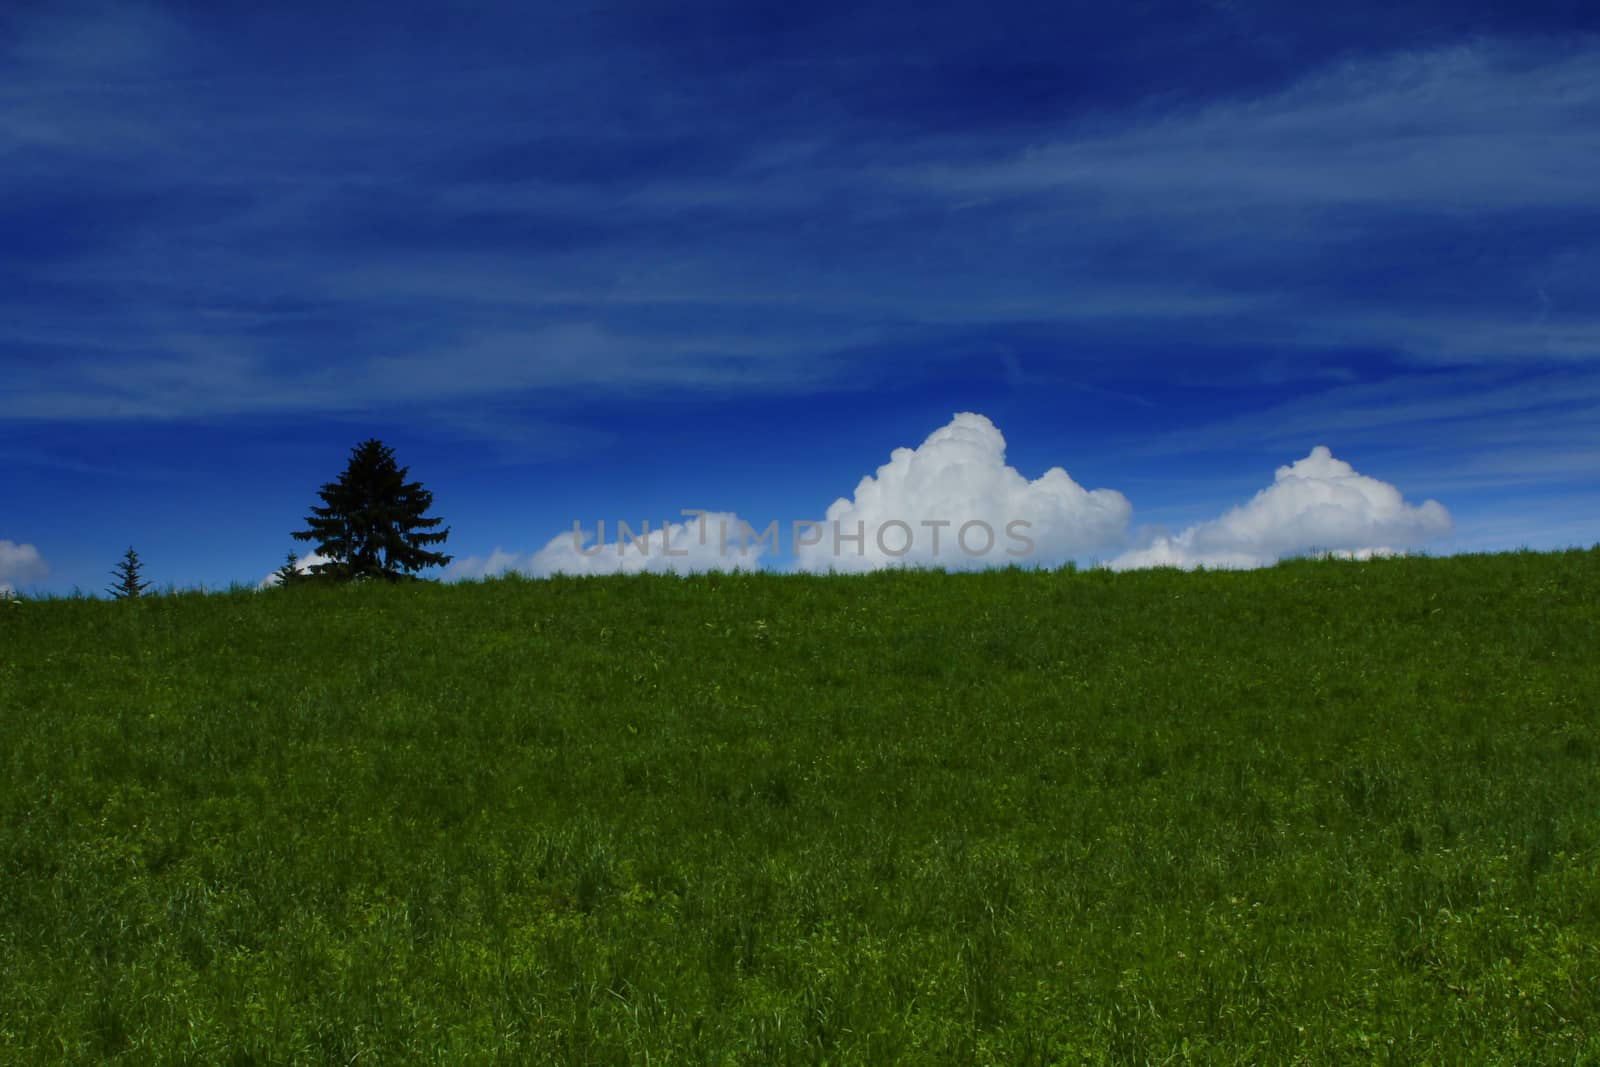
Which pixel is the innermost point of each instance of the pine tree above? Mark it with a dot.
(128, 586)
(290, 572)
(372, 523)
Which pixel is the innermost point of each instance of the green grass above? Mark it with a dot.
(1323, 813)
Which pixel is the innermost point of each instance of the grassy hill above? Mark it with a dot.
(1324, 812)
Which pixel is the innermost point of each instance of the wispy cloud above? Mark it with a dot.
(204, 225)
(1427, 399)
(1342, 205)
(1468, 127)
(1476, 429)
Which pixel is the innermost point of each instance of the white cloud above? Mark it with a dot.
(20, 564)
(497, 562)
(709, 543)
(1318, 504)
(958, 477)
(303, 566)
(953, 502)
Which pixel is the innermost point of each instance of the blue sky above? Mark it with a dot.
(581, 262)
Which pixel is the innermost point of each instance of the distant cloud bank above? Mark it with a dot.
(954, 502)
(19, 565)
(706, 543)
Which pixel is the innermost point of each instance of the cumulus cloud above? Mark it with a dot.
(953, 502)
(1318, 504)
(303, 566)
(20, 564)
(711, 542)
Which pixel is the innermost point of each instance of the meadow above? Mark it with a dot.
(1327, 812)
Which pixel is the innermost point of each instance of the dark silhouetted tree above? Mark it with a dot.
(127, 575)
(373, 522)
(290, 573)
